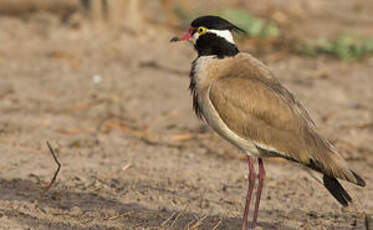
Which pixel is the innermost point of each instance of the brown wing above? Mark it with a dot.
(265, 112)
(252, 110)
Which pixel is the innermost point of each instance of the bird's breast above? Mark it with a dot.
(199, 80)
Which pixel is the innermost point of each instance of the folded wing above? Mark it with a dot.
(261, 110)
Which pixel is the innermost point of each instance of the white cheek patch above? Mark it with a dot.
(226, 34)
(195, 37)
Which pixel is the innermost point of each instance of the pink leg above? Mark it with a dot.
(249, 191)
(259, 192)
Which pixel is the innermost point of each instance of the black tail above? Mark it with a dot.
(336, 189)
(359, 180)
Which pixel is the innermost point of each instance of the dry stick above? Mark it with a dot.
(121, 215)
(217, 225)
(199, 222)
(176, 218)
(168, 219)
(188, 225)
(46, 189)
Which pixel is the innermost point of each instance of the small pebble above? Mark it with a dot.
(96, 79)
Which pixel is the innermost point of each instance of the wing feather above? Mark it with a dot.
(261, 110)
(253, 110)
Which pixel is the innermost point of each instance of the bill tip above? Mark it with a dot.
(175, 39)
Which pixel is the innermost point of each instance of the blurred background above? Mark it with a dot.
(101, 82)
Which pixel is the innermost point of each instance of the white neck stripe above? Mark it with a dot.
(226, 34)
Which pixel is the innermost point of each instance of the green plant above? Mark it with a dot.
(345, 47)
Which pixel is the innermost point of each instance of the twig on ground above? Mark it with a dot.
(199, 222)
(187, 227)
(196, 222)
(121, 215)
(168, 219)
(127, 166)
(217, 225)
(46, 189)
(176, 218)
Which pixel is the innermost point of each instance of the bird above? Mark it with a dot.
(241, 99)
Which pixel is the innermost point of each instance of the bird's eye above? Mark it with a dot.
(201, 30)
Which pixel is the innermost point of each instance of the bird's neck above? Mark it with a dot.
(211, 44)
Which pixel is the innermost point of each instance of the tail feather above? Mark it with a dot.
(336, 167)
(359, 180)
(337, 190)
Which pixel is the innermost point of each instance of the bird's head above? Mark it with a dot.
(211, 35)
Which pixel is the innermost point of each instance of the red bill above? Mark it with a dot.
(184, 36)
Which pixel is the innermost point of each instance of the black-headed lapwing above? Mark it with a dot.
(238, 96)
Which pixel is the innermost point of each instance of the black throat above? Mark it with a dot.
(211, 44)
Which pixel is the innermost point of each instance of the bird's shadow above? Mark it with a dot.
(130, 215)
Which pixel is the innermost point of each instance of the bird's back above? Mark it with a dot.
(254, 106)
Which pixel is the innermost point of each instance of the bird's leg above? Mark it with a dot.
(249, 191)
(259, 192)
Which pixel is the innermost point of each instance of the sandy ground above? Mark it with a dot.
(115, 105)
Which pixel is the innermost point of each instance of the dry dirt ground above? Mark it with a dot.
(115, 104)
